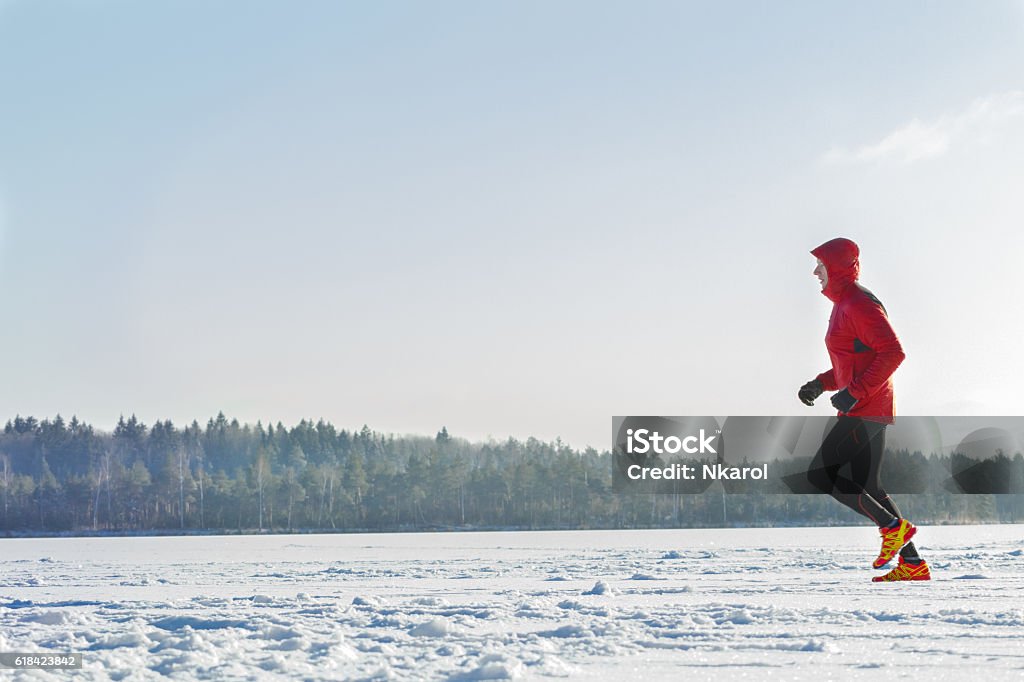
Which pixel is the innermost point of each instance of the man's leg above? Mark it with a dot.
(848, 443)
(868, 470)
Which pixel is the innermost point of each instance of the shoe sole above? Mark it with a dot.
(906, 541)
(905, 580)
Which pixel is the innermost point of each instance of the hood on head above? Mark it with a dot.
(842, 262)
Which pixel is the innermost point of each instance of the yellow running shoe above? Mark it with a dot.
(905, 571)
(893, 540)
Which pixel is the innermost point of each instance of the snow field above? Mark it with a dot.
(701, 604)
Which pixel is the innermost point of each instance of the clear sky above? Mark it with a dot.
(508, 218)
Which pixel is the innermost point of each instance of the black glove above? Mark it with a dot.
(843, 401)
(810, 391)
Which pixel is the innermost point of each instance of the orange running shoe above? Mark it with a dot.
(893, 540)
(905, 571)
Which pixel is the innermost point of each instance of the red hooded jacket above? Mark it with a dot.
(861, 343)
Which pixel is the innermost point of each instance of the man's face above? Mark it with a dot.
(821, 273)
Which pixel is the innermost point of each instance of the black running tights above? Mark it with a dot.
(860, 443)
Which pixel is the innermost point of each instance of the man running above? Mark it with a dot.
(865, 352)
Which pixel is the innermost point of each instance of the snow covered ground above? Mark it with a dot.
(654, 605)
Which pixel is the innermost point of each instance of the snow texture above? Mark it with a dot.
(785, 604)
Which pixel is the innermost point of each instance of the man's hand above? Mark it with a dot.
(843, 401)
(810, 391)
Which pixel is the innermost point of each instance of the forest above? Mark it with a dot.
(60, 476)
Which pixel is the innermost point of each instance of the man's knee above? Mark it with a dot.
(821, 479)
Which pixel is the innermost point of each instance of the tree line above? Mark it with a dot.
(67, 476)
